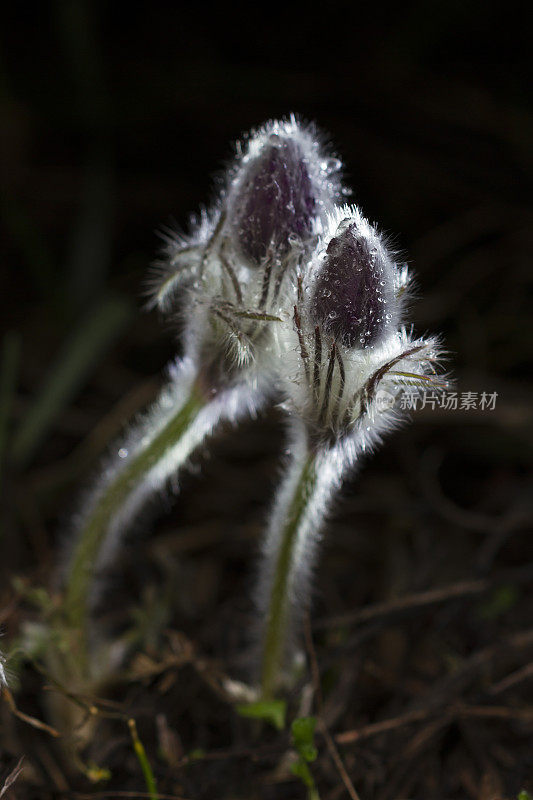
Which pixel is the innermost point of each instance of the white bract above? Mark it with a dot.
(344, 353)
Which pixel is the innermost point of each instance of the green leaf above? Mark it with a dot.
(523, 795)
(142, 758)
(302, 771)
(303, 733)
(97, 774)
(79, 357)
(272, 711)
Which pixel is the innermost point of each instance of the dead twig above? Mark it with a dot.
(12, 777)
(35, 723)
(132, 795)
(494, 712)
(447, 688)
(455, 712)
(334, 753)
(513, 679)
(375, 728)
(411, 602)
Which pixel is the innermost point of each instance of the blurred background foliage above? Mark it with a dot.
(114, 119)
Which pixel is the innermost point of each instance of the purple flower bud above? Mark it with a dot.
(275, 202)
(353, 295)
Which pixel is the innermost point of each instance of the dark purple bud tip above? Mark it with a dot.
(275, 202)
(352, 297)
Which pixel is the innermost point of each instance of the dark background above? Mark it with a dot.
(114, 119)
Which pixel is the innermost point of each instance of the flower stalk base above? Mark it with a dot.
(281, 598)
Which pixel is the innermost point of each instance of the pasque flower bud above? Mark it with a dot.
(237, 266)
(343, 343)
(346, 336)
(275, 201)
(354, 292)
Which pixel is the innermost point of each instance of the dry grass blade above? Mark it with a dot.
(460, 711)
(418, 600)
(513, 679)
(334, 753)
(74, 364)
(12, 777)
(35, 723)
(127, 795)
(386, 725)
(411, 602)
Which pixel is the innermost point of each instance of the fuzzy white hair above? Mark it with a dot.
(229, 406)
(3, 679)
(208, 271)
(331, 393)
(333, 385)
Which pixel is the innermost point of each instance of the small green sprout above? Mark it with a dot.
(271, 711)
(303, 733)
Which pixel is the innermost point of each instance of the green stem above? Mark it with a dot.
(96, 525)
(279, 602)
(140, 752)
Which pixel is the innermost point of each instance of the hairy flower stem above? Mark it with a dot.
(72, 663)
(112, 498)
(153, 452)
(313, 475)
(279, 600)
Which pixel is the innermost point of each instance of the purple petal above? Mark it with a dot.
(275, 203)
(351, 297)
